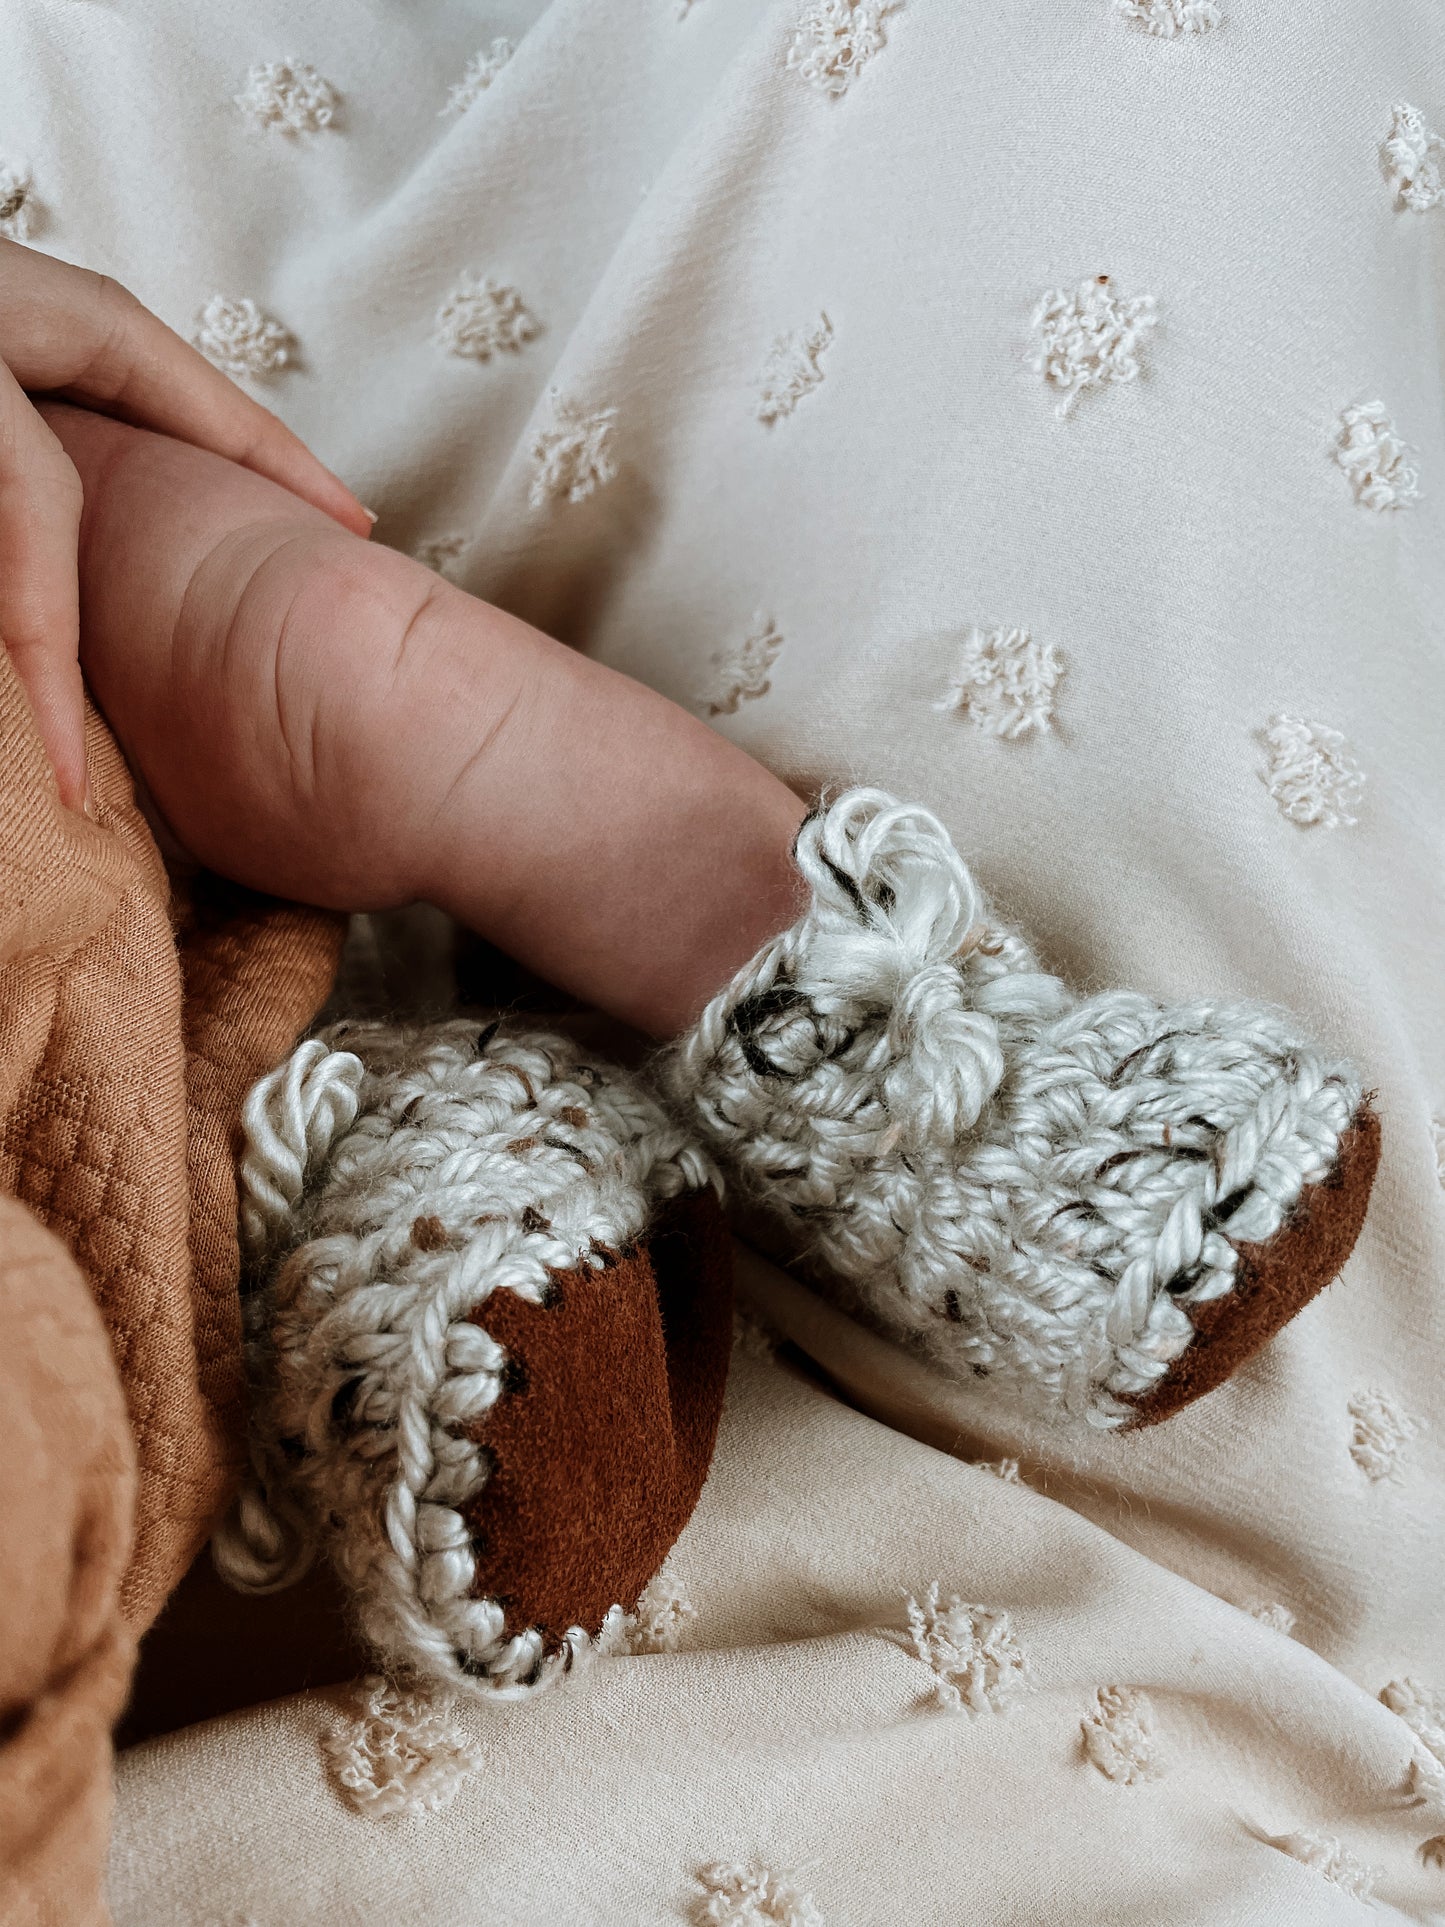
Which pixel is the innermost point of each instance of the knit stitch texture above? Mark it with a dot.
(1034, 1187)
(391, 1191)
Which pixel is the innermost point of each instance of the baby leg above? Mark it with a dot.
(326, 719)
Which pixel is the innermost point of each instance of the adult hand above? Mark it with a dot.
(69, 333)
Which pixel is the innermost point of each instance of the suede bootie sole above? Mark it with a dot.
(490, 1323)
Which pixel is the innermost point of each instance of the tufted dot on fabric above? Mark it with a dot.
(742, 671)
(794, 368)
(1278, 1618)
(574, 457)
(441, 552)
(481, 318)
(18, 209)
(1090, 338)
(1167, 19)
(1312, 775)
(1413, 155)
(657, 1623)
(289, 96)
(241, 339)
(1380, 1432)
(481, 70)
(752, 1895)
(401, 1751)
(1332, 1859)
(1422, 1708)
(1004, 683)
(835, 39)
(1370, 451)
(972, 1651)
(1120, 1736)
(1006, 1470)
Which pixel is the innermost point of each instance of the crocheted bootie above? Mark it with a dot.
(1106, 1204)
(489, 1340)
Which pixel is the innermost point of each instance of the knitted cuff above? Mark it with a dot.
(489, 1338)
(1101, 1203)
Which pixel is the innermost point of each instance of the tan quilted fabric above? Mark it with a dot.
(130, 1028)
(67, 1487)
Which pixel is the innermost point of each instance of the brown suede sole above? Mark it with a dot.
(601, 1442)
(1276, 1279)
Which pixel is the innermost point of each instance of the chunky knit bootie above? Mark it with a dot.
(1102, 1203)
(489, 1332)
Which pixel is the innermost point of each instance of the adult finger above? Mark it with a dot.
(68, 332)
(40, 503)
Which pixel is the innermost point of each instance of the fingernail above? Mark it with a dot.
(370, 514)
(87, 802)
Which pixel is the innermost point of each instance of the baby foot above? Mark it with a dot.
(488, 1343)
(1103, 1203)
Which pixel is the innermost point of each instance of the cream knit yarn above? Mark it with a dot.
(1033, 1186)
(389, 1189)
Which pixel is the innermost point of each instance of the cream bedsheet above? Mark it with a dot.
(789, 1729)
(667, 189)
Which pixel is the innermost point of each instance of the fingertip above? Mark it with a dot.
(59, 713)
(72, 778)
(331, 495)
(74, 786)
(281, 455)
(349, 512)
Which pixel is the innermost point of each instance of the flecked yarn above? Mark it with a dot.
(1033, 1186)
(394, 1181)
